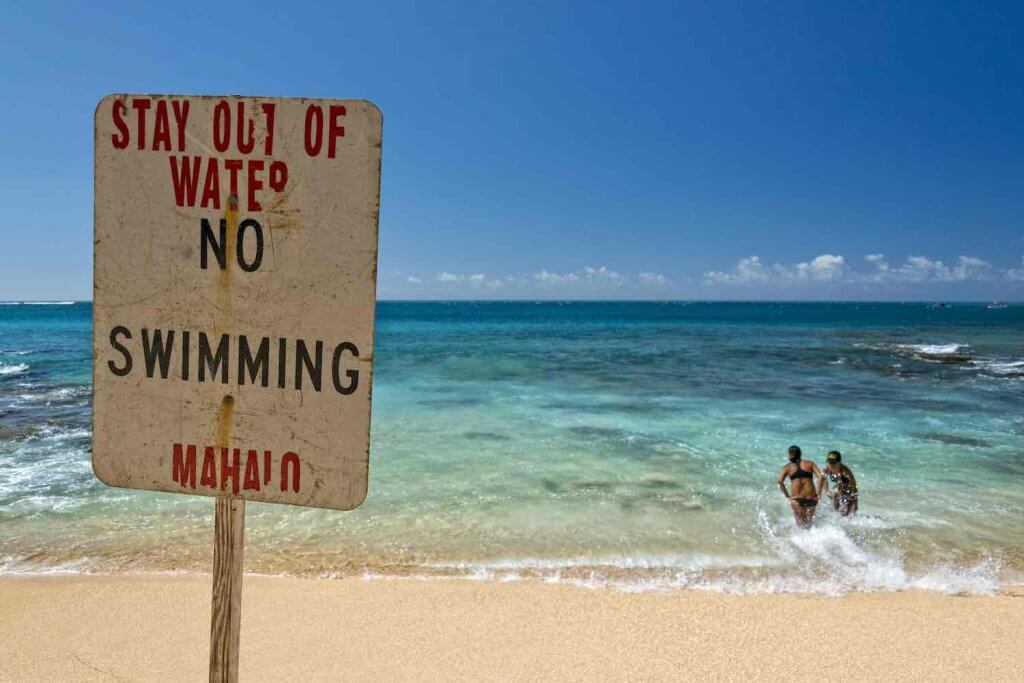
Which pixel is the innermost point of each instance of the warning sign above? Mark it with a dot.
(233, 309)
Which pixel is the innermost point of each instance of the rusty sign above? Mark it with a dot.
(233, 305)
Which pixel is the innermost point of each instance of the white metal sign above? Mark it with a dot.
(235, 281)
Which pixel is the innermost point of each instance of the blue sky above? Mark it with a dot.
(546, 149)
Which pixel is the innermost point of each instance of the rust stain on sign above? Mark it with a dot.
(228, 246)
(235, 281)
(224, 421)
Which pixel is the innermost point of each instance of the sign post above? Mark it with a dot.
(226, 610)
(233, 307)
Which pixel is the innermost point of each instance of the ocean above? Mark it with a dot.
(632, 446)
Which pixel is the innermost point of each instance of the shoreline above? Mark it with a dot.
(108, 627)
(597, 577)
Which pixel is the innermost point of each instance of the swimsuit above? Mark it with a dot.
(842, 482)
(803, 474)
(800, 474)
(846, 494)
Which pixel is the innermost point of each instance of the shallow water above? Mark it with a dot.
(633, 445)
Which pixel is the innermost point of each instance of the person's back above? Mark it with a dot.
(802, 494)
(844, 497)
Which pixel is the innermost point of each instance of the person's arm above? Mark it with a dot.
(782, 481)
(853, 479)
(822, 485)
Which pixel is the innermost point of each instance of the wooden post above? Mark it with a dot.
(226, 614)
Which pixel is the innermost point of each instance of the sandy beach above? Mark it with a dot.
(156, 628)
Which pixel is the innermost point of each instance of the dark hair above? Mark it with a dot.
(838, 458)
(795, 450)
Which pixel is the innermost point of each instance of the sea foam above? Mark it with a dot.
(6, 370)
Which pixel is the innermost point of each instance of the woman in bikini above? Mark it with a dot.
(803, 496)
(844, 500)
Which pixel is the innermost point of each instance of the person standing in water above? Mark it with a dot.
(803, 496)
(844, 498)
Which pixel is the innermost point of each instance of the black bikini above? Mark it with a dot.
(800, 474)
(803, 474)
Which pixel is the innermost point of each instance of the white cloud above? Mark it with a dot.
(920, 268)
(481, 280)
(589, 275)
(475, 280)
(972, 268)
(924, 269)
(748, 270)
(652, 279)
(602, 274)
(824, 267)
(827, 267)
(881, 267)
(546, 278)
(1016, 274)
(409, 279)
(833, 268)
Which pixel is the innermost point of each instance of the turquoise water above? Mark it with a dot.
(633, 445)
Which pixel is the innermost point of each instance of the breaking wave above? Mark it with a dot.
(960, 355)
(36, 303)
(938, 353)
(1001, 368)
(835, 557)
(6, 370)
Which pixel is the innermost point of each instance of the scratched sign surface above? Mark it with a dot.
(233, 305)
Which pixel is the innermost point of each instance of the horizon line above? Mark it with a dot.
(599, 300)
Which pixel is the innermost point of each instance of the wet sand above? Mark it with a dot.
(157, 627)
